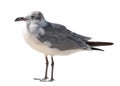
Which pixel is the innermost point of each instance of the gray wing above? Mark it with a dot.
(63, 29)
(62, 38)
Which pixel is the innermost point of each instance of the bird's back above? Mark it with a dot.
(62, 38)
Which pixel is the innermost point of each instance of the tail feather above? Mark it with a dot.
(92, 44)
(99, 43)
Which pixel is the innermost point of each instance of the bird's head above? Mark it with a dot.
(35, 16)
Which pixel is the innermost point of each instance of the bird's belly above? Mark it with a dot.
(43, 47)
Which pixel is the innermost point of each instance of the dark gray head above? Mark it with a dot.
(35, 17)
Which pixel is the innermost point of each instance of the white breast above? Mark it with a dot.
(33, 29)
(43, 47)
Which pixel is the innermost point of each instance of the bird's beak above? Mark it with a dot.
(21, 19)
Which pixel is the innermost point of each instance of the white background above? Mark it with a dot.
(99, 19)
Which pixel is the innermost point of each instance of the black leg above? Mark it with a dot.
(46, 70)
(52, 68)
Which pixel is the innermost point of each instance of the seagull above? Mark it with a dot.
(54, 39)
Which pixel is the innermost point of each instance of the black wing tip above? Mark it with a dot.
(99, 43)
(97, 49)
(111, 43)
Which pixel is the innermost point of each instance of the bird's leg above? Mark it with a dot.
(46, 70)
(52, 68)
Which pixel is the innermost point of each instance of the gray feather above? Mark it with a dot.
(62, 38)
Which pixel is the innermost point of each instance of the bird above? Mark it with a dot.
(53, 39)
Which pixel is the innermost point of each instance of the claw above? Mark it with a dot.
(37, 79)
(51, 80)
(44, 79)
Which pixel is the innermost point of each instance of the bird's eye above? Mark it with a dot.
(32, 16)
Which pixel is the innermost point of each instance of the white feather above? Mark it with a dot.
(43, 47)
(42, 32)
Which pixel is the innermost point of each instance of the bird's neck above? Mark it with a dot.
(42, 23)
(34, 27)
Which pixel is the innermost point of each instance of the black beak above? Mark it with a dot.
(20, 19)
